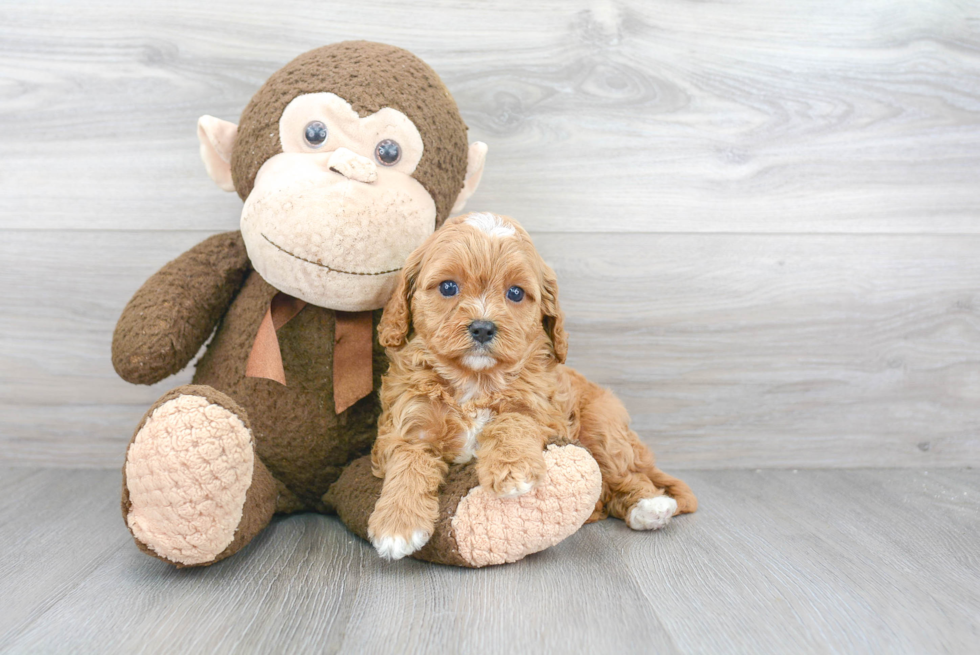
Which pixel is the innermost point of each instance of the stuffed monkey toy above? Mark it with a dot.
(346, 159)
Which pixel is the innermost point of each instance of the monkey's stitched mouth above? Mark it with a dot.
(329, 268)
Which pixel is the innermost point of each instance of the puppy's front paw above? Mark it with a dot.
(396, 534)
(509, 479)
(396, 547)
(652, 513)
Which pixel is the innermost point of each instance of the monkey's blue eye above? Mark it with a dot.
(515, 294)
(388, 152)
(448, 288)
(315, 134)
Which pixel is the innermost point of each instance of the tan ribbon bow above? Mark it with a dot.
(353, 377)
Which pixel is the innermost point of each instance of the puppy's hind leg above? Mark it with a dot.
(633, 488)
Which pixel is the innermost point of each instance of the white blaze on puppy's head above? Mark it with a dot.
(490, 224)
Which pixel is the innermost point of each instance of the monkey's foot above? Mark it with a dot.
(494, 530)
(476, 527)
(190, 474)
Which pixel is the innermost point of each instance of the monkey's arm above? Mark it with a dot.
(174, 312)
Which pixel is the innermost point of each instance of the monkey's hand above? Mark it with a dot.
(174, 312)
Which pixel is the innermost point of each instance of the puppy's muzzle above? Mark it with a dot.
(482, 332)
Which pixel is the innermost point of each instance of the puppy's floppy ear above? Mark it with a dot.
(553, 318)
(396, 321)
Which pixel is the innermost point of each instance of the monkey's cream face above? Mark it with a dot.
(332, 219)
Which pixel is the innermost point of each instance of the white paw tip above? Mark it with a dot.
(399, 547)
(652, 513)
(521, 489)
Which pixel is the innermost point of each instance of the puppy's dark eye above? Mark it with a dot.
(448, 288)
(315, 134)
(515, 294)
(388, 152)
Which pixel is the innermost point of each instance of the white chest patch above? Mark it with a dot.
(469, 391)
(468, 439)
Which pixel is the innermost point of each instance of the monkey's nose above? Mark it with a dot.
(482, 331)
(352, 166)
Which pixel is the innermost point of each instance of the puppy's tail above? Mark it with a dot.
(687, 502)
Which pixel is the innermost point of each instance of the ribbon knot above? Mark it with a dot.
(353, 377)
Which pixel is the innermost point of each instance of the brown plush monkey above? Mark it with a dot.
(347, 159)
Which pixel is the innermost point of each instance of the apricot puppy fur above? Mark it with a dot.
(476, 342)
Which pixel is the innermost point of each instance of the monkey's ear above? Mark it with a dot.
(217, 139)
(474, 171)
(553, 318)
(396, 321)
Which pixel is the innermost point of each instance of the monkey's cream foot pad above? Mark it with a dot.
(187, 471)
(492, 530)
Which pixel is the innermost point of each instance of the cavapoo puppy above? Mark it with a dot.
(475, 338)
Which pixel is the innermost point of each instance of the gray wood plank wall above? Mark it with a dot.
(764, 215)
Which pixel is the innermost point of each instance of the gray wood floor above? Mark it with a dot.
(776, 561)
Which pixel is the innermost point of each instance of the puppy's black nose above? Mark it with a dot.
(482, 331)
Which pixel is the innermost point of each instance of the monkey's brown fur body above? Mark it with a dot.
(211, 462)
(289, 443)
